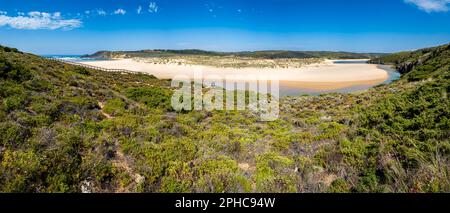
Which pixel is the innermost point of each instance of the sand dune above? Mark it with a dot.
(323, 72)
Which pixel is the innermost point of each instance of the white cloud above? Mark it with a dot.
(87, 12)
(120, 12)
(37, 14)
(431, 5)
(101, 12)
(139, 10)
(57, 15)
(39, 20)
(3, 12)
(153, 7)
(20, 13)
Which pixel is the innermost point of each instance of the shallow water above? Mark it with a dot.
(73, 58)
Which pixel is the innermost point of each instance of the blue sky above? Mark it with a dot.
(86, 26)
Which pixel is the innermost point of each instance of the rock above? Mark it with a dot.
(325, 118)
(244, 166)
(86, 186)
(318, 169)
(406, 67)
(139, 179)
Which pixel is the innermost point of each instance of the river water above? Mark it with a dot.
(298, 88)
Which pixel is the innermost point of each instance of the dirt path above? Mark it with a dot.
(121, 161)
(101, 105)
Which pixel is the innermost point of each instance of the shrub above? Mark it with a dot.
(220, 175)
(19, 170)
(152, 97)
(115, 107)
(272, 173)
(14, 71)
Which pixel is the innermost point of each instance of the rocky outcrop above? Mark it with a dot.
(407, 61)
(406, 67)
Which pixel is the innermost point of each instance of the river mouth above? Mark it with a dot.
(296, 88)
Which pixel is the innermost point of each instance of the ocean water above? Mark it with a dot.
(74, 58)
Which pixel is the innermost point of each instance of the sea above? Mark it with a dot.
(73, 58)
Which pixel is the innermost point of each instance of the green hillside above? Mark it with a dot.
(270, 54)
(69, 129)
(420, 64)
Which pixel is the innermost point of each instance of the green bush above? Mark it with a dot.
(14, 71)
(273, 175)
(115, 107)
(220, 175)
(19, 169)
(152, 97)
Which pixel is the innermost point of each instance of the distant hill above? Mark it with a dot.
(269, 54)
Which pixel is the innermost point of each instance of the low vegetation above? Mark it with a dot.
(256, 59)
(270, 54)
(228, 61)
(70, 129)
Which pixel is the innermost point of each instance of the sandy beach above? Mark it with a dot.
(321, 76)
